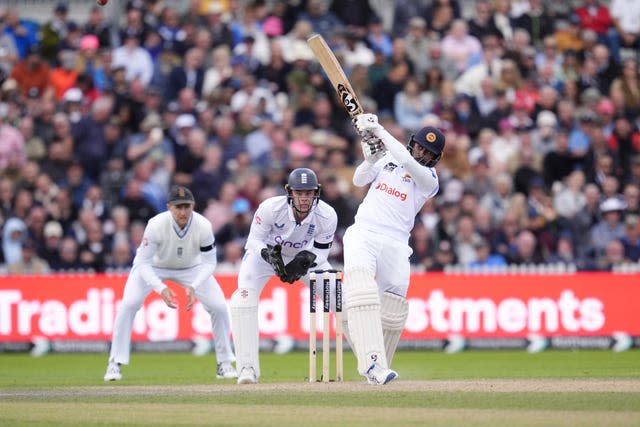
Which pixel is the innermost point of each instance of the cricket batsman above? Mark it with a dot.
(376, 248)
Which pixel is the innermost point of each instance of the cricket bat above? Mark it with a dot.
(335, 73)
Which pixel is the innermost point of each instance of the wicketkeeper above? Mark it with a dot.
(289, 236)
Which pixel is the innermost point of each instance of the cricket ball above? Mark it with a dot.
(102, 2)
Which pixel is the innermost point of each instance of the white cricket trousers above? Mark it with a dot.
(386, 258)
(136, 291)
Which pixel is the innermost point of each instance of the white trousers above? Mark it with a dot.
(136, 291)
(386, 258)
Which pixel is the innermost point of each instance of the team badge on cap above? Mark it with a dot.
(430, 137)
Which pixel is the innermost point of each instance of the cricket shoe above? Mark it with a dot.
(113, 372)
(247, 376)
(226, 371)
(378, 375)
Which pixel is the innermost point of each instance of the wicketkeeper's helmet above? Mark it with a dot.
(432, 140)
(302, 179)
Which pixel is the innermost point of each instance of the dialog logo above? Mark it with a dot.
(391, 191)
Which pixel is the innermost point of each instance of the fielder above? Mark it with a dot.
(178, 245)
(289, 235)
(376, 249)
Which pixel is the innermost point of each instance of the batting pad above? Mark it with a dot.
(394, 310)
(244, 326)
(363, 312)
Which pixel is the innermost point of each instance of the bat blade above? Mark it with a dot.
(335, 73)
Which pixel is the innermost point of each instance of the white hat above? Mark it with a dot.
(613, 204)
(185, 121)
(73, 94)
(301, 51)
(546, 118)
(52, 228)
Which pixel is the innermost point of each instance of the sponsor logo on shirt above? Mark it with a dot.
(311, 230)
(390, 166)
(391, 191)
(278, 225)
(290, 244)
(258, 220)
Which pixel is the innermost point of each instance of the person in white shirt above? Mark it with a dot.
(376, 248)
(177, 245)
(289, 235)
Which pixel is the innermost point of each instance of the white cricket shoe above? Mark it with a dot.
(378, 375)
(225, 371)
(247, 376)
(113, 372)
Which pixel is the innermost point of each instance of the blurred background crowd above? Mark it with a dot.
(539, 102)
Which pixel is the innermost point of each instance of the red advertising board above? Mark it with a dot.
(83, 307)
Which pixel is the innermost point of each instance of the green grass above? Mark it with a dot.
(469, 388)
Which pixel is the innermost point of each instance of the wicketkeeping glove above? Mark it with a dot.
(298, 266)
(272, 255)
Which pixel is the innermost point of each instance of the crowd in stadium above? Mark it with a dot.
(540, 107)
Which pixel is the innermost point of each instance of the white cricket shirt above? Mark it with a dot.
(274, 223)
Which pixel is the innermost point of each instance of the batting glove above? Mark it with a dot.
(366, 123)
(372, 147)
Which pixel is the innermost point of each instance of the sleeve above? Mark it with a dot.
(366, 172)
(208, 252)
(424, 177)
(323, 240)
(144, 257)
(260, 230)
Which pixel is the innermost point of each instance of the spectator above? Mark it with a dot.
(411, 105)
(120, 259)
(90, 147)
(133, 199)
(609, 228)
(64, 76)
(612, 258)
(485, 259)
(30, 262)
(96, 25)
(232, 253)
(32, 73)
(209, 177)
(135, 59)
(323, 20)
(189, 74)
(631, 196)
(14, 233)
(627, 87)
(444, 256)
(536, 21)
(626, 32)
(68, 261)
(24, 33)
(53, 32)
(526, 250)
(463, 48)
(568, 197)
(50, 250)
(631, 238)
